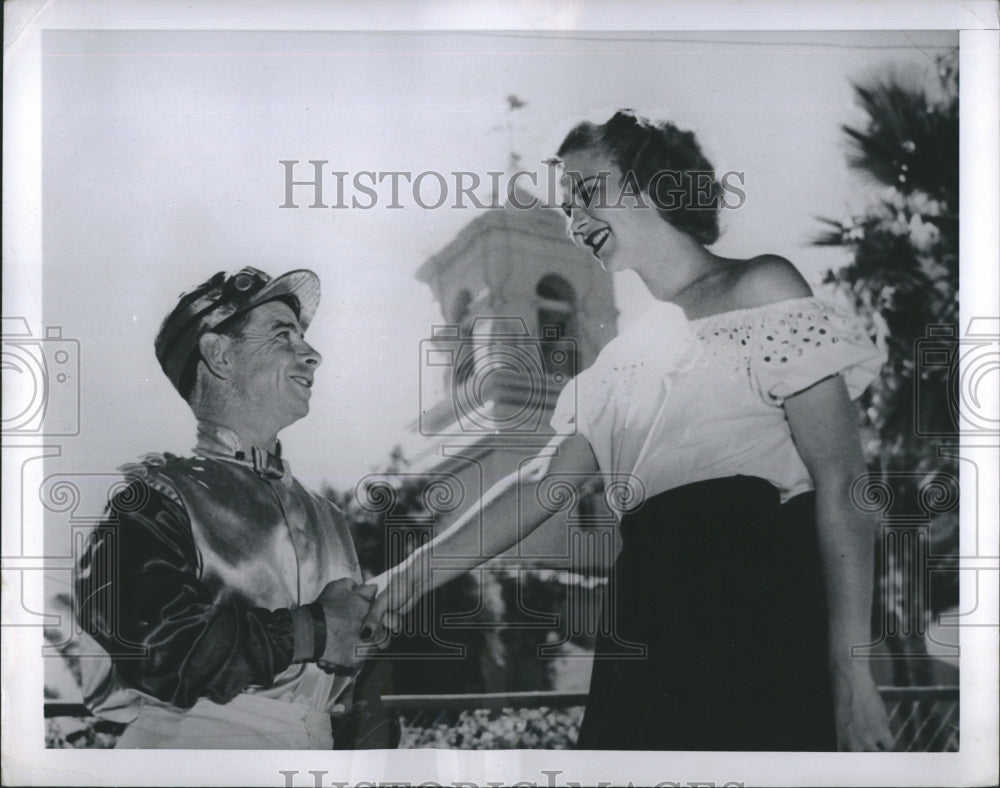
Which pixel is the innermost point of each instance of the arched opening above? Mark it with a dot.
(556, 306)
(460, 310)
(557, 321)
(462, 317)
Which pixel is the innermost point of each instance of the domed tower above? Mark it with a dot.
(525, 310)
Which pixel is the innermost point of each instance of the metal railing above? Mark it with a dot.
(923, 719)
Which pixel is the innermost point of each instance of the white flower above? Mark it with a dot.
(920, 202)
(922, 234)
(894, 197)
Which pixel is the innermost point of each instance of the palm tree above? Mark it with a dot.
(903, 278)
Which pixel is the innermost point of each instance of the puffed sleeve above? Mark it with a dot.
(798, 343)
(140, 597)
(583, 403)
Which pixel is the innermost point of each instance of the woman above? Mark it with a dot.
(746, 574)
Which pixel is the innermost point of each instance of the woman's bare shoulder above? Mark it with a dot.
(768, 278)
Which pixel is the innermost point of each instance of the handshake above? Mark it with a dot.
(347, 620)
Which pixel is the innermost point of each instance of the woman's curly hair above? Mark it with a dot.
(647, 152)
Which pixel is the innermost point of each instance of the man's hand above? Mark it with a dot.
(345, 605)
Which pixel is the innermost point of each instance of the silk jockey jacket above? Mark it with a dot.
(188, 583)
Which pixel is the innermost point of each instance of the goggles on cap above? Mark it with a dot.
(214, 302)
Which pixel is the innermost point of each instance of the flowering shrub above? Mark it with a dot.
(87, 733)
(510, 729)
(479, 729)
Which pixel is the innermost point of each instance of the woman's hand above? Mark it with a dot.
(862, 723)
(399, 589)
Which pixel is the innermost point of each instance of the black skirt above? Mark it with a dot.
(714, 626)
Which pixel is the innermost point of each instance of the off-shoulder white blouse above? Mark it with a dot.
(673, 401)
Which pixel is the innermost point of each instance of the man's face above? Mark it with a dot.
(273, 368)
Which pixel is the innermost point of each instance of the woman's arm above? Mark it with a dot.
(824, 428)
(508, 512)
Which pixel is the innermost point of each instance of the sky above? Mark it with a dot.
(161, 153)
